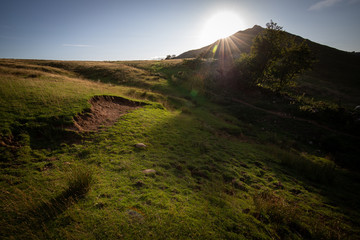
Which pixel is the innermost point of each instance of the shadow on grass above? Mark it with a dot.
(79, 183)
(24, 216)
(205, 158)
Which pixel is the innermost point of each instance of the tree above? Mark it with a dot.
(170, 57)
(275, 59)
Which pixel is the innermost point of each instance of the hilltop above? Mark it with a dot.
(235, 44)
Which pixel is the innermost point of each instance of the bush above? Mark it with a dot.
(274, 208)
(79, 182)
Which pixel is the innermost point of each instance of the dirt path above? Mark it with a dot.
(283, 115)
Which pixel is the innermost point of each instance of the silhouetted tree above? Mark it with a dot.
(275, 59)
(170, 57)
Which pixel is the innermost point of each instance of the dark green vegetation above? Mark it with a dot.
(275, 59)
(228, 165)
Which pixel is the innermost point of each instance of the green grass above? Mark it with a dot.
(219, 175)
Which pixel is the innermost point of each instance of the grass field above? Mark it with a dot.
(211, 168)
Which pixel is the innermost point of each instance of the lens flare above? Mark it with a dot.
(220, 25)
(215, 48)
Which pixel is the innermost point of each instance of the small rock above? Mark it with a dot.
(140, 145)
(135, 215)
(149, 171)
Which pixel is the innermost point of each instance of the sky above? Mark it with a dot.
(148, 29)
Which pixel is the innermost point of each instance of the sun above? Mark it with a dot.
(220, 25)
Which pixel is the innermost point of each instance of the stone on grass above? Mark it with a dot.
(135, 215)
(149, 171)
(140, 145)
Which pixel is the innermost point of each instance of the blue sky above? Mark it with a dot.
(130, 30)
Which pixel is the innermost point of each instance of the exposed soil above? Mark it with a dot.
(104, 111)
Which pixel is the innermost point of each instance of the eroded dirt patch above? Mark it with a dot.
(104, 111)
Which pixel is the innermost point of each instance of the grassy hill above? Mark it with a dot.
(235, 44)
(211, 167)
(335, 73)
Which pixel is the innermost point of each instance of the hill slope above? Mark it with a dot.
(210, 169)
(334, 69)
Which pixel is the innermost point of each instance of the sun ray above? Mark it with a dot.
(219, 26)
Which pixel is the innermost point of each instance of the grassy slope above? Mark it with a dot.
(218, 173)
(335, 77)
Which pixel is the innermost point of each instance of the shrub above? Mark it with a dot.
(273, 208)
(79, 182)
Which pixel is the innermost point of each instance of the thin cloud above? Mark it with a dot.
(323, 4)
(76, 45)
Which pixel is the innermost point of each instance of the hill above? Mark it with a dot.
(334, 69)
(140, 150)
(235, 45)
